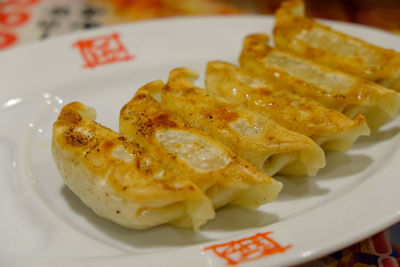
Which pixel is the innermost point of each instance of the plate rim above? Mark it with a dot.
(367, 231)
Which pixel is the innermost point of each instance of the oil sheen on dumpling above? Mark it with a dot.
(257, 138)
(118, 180)
(223, 176)
(334, 89)
(309, 39)
(328, 128)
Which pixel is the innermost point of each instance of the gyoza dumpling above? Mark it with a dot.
(223, 176)
(306, 37)
(328, 128)
(334, 89)
(258, 139)
(118, 180)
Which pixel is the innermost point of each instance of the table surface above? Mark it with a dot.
(24, 21)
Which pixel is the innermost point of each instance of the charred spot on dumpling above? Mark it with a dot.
(125, 113)
(164, 120)
(69, 118)
(140, 96)
(143, 126)
(166, 88)
(73, 138)
(108, 145)
(226, 115)
(265, 92)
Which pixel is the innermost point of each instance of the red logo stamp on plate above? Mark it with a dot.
(7, 39)
(248, 249)
(13, 14)
(102, 50)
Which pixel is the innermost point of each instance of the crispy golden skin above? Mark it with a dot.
(334, 89)
(309, 39)
(258, 139)
(117, 179)
(328, 128)
(223, 176)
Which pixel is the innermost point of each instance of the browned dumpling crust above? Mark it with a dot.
(118, 180)
(334, 89)
(223, 176)
(258, 139)
(328, 128)
(304, 36)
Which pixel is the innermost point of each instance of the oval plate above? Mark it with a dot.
(43, 223)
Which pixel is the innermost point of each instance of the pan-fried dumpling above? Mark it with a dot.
(118, 180)
(334, 89)
(308, 38)
(258, 139)
(328, 128)
(223, 176)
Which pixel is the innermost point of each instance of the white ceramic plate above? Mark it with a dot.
(43, 223)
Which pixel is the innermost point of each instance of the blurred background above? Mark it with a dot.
(24, 21)
(383, 14)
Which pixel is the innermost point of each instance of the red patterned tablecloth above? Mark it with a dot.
(24, 21)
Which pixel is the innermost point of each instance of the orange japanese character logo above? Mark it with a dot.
(7, 39)
(102, 50)
(248, 249)
(13, 14)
